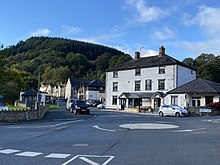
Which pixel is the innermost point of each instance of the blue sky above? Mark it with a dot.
(186, 28)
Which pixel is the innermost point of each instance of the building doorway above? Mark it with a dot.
(123, 104)
(157, 104)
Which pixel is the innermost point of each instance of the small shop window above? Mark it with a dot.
(174, 100)
(196, 101)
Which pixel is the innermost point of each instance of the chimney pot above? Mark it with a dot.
(137, 55)
(161, 51)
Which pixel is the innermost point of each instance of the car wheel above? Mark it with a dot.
(160, 113)
(177, 114)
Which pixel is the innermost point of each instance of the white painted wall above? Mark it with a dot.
(93, 95)
(174, 76)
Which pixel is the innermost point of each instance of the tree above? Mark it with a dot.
(102, 62)
(189, 61)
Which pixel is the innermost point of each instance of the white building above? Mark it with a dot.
(84, 89)
(142, 82)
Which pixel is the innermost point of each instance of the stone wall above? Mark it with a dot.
(22, 115)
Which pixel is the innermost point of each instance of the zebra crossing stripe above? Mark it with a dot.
(8, 151)
(29, 154)
(56, 155)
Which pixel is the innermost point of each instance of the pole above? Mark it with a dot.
(38, 96)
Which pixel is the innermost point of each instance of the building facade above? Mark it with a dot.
(142, 82)
(84, 89)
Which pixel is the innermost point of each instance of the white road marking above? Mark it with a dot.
(88, 161)
(85, 158)
(45, 126)
(103, 129)
(8, 151)
(29, 154)
(64, 123)
(148, 126)
(57, 155)
(189, 130)
(80, 145)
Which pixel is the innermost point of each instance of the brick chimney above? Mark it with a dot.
(137, 55)
(161, 51)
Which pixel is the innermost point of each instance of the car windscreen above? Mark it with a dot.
(80, 102)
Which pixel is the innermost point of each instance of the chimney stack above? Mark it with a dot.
(161, 51)
(137, 55)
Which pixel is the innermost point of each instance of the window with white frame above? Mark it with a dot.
(161, 84)
(115, 86)
(137, 72)
(114, 100)
(115, 74)
(196, 101)
(148, 85)
(161, 69)
(137, 86)
(174, 100)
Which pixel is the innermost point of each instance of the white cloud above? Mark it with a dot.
(148, 52)
(207, 18)
(163, 34)
(196, 48)
(144, 13)
(40, 32)
(68, 30)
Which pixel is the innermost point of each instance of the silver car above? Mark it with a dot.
(172, 110)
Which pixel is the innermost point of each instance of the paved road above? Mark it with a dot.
(109, 137)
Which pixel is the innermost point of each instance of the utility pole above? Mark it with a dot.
(38, 97)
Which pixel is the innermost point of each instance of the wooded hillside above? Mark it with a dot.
(55, 59)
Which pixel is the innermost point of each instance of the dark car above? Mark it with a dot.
(80, 106)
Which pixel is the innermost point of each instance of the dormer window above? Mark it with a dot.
(137, 72)
(115, 74)
(161, 69)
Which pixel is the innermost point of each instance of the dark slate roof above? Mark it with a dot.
(76, 83)
(145, 62)
(96, 83)
(30, 92)
(198, 85)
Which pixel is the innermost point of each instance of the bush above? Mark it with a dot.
(215, 105)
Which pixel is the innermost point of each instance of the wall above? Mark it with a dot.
(22, 115)
(126, 81)
(181, 76)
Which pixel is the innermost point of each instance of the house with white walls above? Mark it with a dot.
(143, 81)
(85, 89)
(194, 94)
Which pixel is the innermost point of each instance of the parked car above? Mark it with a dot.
(69, 103)
(172, 110)
(101, 106)
(80, 106)
(95, 103)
